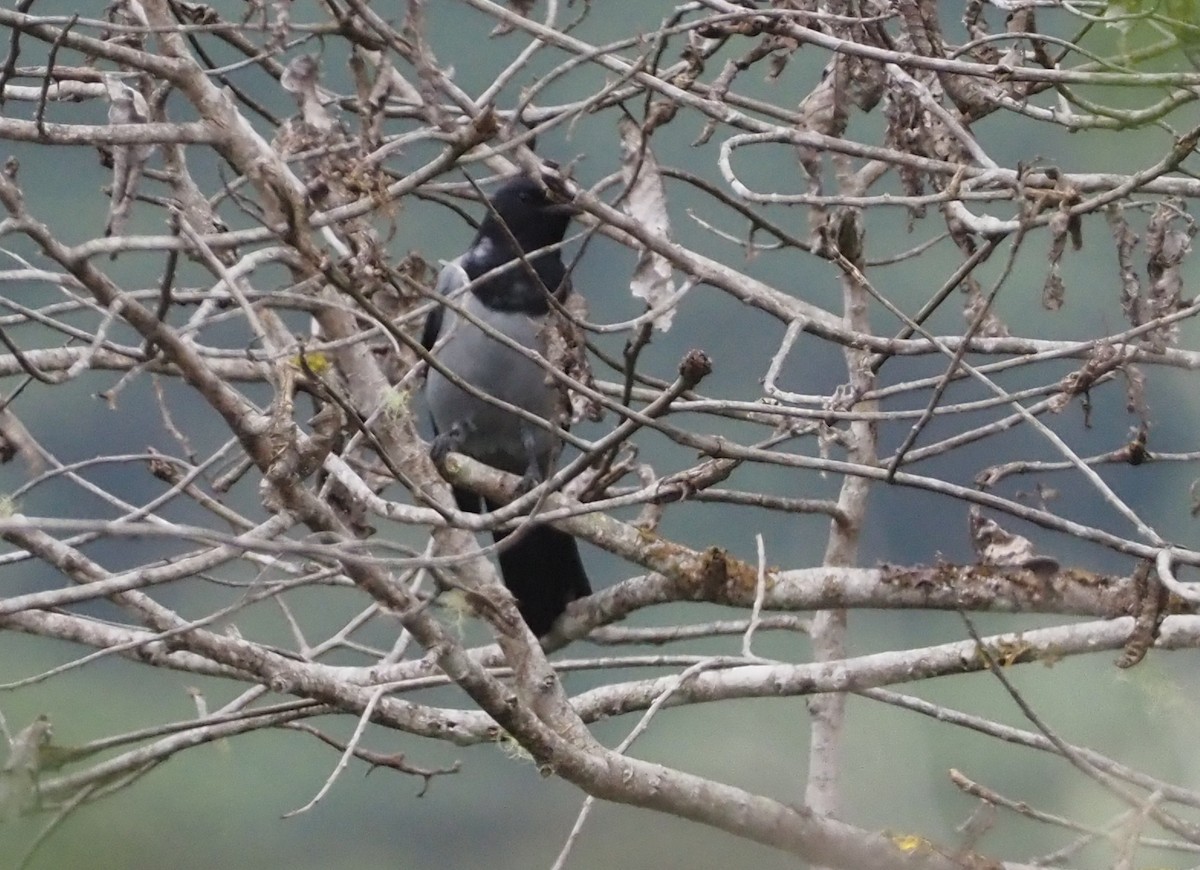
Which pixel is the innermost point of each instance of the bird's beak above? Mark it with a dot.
(560, 199)
(567, 208)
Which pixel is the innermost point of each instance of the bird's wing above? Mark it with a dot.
(451, 280)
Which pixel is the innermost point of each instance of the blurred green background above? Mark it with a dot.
(221, 805)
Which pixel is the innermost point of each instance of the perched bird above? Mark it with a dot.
(541, 567)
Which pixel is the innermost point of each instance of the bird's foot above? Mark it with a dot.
(444, 443)
(533, 468)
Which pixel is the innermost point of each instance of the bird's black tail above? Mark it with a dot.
(543, 571)
(541, 568)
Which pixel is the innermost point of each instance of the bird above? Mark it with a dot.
(541, 566)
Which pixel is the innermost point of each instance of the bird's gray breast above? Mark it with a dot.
(492, 435)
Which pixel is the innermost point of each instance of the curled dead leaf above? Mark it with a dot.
(646, 202)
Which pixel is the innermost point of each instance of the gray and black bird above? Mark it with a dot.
(541, 567)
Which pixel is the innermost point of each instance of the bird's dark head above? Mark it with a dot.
(535, 214)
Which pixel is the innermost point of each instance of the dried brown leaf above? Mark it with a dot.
(1126, 240)
(522, 8)
(824, 110)
(16, 440)
(126, 105)
(1167, 246)
(991, 326)
(1104, 358)
(1053, 291)
(566, 352)
(646, 203)
(302, 78)
(19, 773)
(996, 546)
